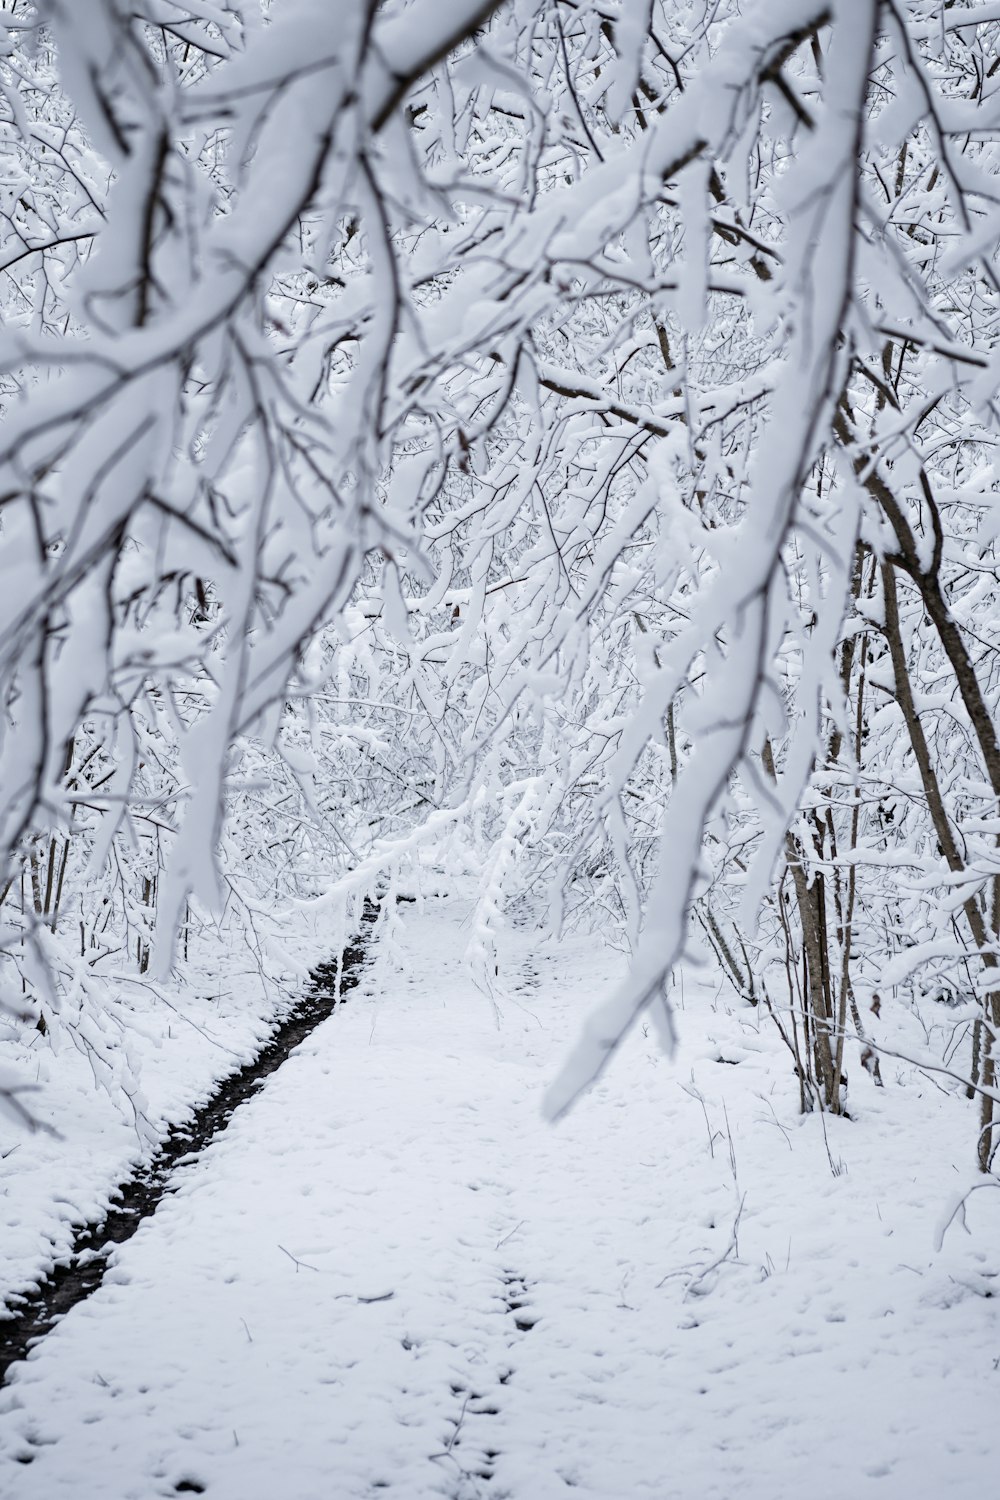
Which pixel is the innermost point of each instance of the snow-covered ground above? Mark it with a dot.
(176, 1043)
(390, 1276)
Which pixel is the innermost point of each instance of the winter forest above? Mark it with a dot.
(499, 749)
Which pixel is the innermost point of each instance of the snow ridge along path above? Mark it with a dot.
(77, 1275)
(390, 1277)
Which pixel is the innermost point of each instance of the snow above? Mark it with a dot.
(391, 1276)
(179, 1042)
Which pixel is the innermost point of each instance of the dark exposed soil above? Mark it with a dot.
(72, 1281)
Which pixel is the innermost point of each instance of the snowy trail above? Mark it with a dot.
(79, 1271)
(390, 1277)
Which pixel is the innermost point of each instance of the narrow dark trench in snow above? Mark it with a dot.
(73, 1280)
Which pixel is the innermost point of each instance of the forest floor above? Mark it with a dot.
(390, 1276)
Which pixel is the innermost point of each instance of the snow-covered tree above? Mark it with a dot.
(566, 425)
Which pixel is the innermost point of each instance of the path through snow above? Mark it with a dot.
(391, 1278)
